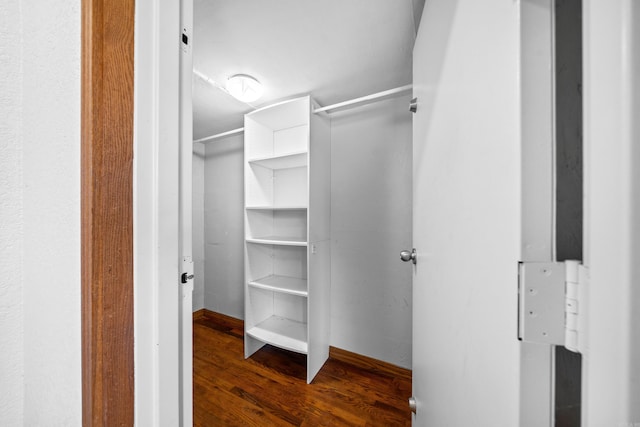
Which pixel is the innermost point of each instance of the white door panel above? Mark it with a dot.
(611, 363)
(466, 214)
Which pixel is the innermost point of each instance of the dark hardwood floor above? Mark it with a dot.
(270, 389)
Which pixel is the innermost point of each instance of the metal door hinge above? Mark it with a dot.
(576, 294)
(551, 306)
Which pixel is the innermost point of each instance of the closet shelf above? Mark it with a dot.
(286, 161)
(281, 332)
(278, 240)
(276, 208)
(282, 284)
(286, 176)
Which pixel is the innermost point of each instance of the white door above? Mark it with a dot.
(186, 215)
(466, 214)
(611, 360)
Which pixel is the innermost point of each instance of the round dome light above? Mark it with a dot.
(244, 87)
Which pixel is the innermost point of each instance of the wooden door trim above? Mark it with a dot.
(107, 212)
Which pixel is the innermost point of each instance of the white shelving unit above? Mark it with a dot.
(287, 232)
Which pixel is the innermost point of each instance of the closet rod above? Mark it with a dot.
(220, 135)
(371, 97)
(365, 98)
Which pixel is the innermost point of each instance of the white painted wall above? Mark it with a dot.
(40, 164)
(198, 225)
(224, 226)
(11, 217)
(371, 206)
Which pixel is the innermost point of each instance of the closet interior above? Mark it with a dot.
(300, 202)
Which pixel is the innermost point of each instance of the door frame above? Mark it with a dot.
(130, 252)
(129, 209)
(157, 263)
(538, 240)
(107, 283)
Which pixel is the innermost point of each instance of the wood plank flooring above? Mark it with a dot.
(270, 389)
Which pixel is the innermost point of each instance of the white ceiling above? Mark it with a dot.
(335, 50)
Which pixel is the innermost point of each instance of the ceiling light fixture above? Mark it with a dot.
(244, 87)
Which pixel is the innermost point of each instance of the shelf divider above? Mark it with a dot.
(276, 208)
(282, 284)
(286, 161)
(282, 332)
(278, 240)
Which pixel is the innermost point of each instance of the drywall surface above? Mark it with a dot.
(371, 205)
(51, 125)
(224, 226)
(40, 102)
(11, 218)
(198, 225)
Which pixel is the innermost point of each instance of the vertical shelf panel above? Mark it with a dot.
(319, 306)
(320, 179)
(319, 254)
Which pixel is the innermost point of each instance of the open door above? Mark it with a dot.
(611, 358)
(466, 216)
(186, 215)
(471, 122)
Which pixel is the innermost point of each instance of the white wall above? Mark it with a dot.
(11, 217)
(224, 226)
(198, 225)
(371, 200)
(40, 163)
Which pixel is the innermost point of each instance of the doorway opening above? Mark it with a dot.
(370, 154)
(569, 186)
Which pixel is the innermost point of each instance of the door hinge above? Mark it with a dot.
(552, 302)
